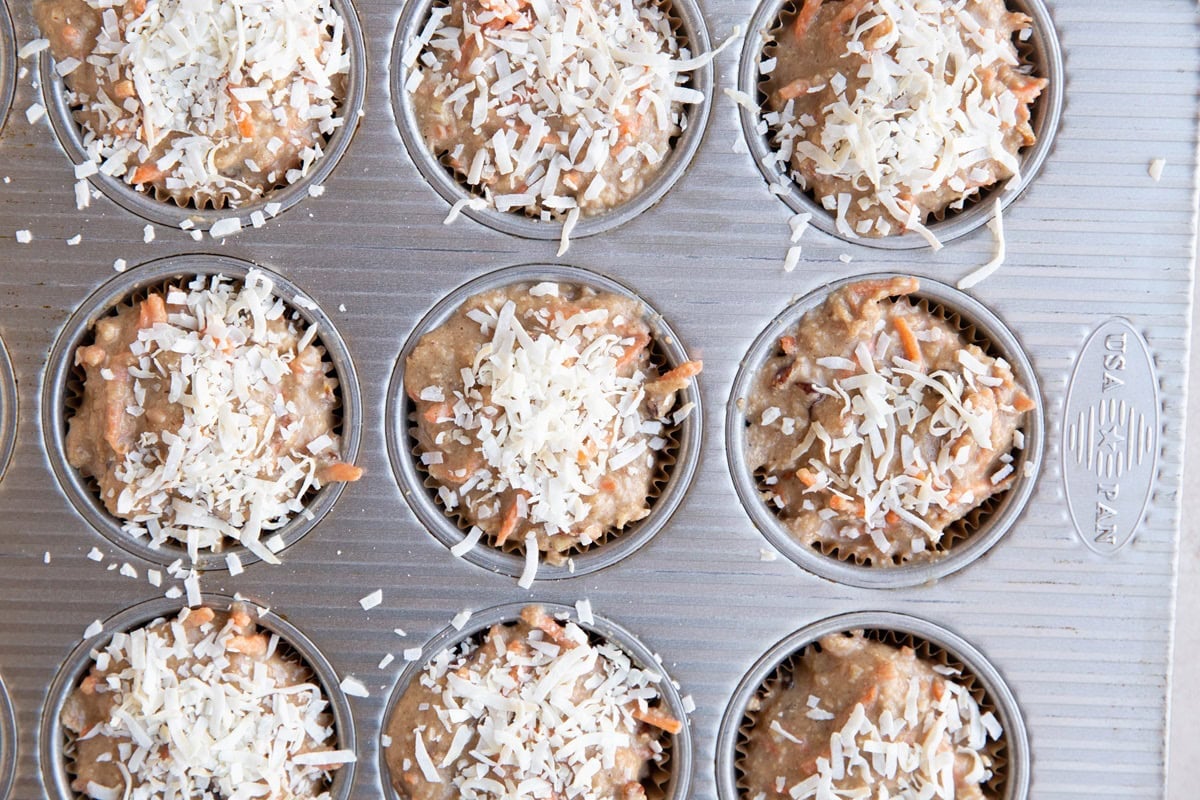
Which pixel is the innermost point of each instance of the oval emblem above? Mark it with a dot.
(1110, 436)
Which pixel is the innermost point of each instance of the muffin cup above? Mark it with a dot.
(689, 25)
(671, 777)
(966, 539)
(8, 410)
(932, 643)
(8, 743)
(165, 209)
(8, 67)
(62, 386)
(677, 462)
(1042, 50)
(53, 739)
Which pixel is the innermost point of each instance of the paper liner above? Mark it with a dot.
(1029, 55)
(973, 522)
(686, 110)
(665, 462)
(927, 651)
(292, 645)
(73, 393)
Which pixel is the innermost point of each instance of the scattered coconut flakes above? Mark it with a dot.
(584, 609)
(83, 195)
(461, 619)
(24, 237)
(798, 224)
(95, 629)
(192, 585)
(316, 190)
(46, 557)
(371, 600)
(792, 258)
(226, 226)
(424, 761)
(385, 740)
(845, 258)
(74, 240)
(120, 265)
(399, 632)
(1156, 168)
(234, 563)
(742, 99)
(354, 687)
(148, 234)
(173, 593)
(996, 226)
(461, 548)
(86, 170)
(531, 561)
(32, 48)
(766, 555)
(386, 661)
(412, 654)
(35, 112)
(95, 555)
(564, 243)
(128, 571)
(154, 577)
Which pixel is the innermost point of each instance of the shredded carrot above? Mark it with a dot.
(794, 89)
(342, 472)
(152, 311)
(639, 344)
(912, 349)
(805, 18)
(806, 476)
(891, 517)
(147, 173)
(839, 503)
(870, 695)
(938, 689)
(1023, 402)
(849, 11)
(688, 369)
(787, 344)
(438, 411)
(509, 525)
(240, 618)
(658, 719)
(607, 484)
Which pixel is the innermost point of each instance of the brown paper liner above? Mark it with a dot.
(73, 390)
(927, 651)
(665, 462)
(1027, 53)
(958, 531)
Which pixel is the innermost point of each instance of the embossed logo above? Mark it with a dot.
(1110, 436)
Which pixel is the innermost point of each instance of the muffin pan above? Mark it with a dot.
(1080, 637)
(8, 63)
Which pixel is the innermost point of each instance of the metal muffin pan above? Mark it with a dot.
(993, 336)
(678, 747)
(692, 32)
(8, 63)
(1042, 51)
(167, 212)
(1081, 639)
(58, 389)
(442, 525)
(52, 738)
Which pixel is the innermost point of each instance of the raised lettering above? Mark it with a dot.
(1114, 362)
(1111, 382)
(1109, 492)
(1115, 342)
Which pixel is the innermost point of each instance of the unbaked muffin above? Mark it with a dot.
(854, 717)
(213, 103)
(208, 415)
(550, 109)
(876, 425)
(535, 709)
(542, 416)
(205, 704)
(892, 113)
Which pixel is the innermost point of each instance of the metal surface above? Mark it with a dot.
(1082, 640)
(8, 61)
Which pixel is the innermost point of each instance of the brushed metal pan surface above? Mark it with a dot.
(1082, 640)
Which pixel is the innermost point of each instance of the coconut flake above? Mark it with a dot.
(372, 600)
